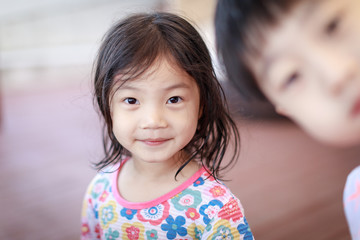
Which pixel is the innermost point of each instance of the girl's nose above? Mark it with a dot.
(336, 67)
(153, 118)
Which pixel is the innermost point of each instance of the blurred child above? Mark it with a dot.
(304, 57)
(166, 132)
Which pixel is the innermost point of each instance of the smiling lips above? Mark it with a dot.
(154, 142)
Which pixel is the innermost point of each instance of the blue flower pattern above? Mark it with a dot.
(174, 227)
(199, 182)
(206, 209)
(245, 229)
(128, 213)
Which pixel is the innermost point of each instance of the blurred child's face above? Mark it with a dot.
(309, 69)
(155, 116)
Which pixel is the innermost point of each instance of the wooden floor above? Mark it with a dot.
(291, 186)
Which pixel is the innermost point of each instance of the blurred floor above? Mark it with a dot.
(47, 140)
(291, 186)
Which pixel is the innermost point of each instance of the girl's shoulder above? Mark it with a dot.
(107, 172)
(102, 179)
(211, 188)
(355, 173)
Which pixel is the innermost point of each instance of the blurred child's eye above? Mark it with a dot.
(290, 80)
(131, 101)
(174, 100)
(333, 25)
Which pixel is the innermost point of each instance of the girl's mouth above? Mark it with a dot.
(154, 142)
(356, 108)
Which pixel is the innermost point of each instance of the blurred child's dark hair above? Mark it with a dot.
(239, 28)
(130, 47)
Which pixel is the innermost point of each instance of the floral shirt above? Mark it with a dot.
(200, 208)
(351, 200)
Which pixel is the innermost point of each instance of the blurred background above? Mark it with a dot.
(290, 186)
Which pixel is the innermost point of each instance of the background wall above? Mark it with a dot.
(53, 43)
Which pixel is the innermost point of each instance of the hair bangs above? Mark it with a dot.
(240, 26)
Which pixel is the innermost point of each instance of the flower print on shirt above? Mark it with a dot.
(209, 211)
(154, 215)
(133, 231)
(111, 234)
(209, 176)
(103, 196)
(86, 233)
(244, 229)
(85, 230)
(98, 231)
(174, 227)
(199, 182)
(85, 206)
(99, 187)
(195, 231)
(107, 214)
(231, 210)
(151, 234)
(198, 209)
(355, 196)
(224, 230)
(94, 208)
(217, 191)
(186, 199)
(128, 213)
(192, 214)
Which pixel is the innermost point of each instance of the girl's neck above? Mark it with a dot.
(158, 172)
(145, 182)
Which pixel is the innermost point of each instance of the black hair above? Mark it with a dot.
(239, 28)
(130, 47)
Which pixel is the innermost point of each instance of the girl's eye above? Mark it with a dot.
(131, 101)
(174, 100)
(293, 78)
(333, 25)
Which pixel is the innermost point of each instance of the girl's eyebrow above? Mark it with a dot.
(168, 88)
(127, 87)
(178, 85)
(267, 63)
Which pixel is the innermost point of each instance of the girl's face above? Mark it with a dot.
(155, 116)
(310, 69)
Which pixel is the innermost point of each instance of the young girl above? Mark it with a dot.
(166, 133)
(303, 56)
